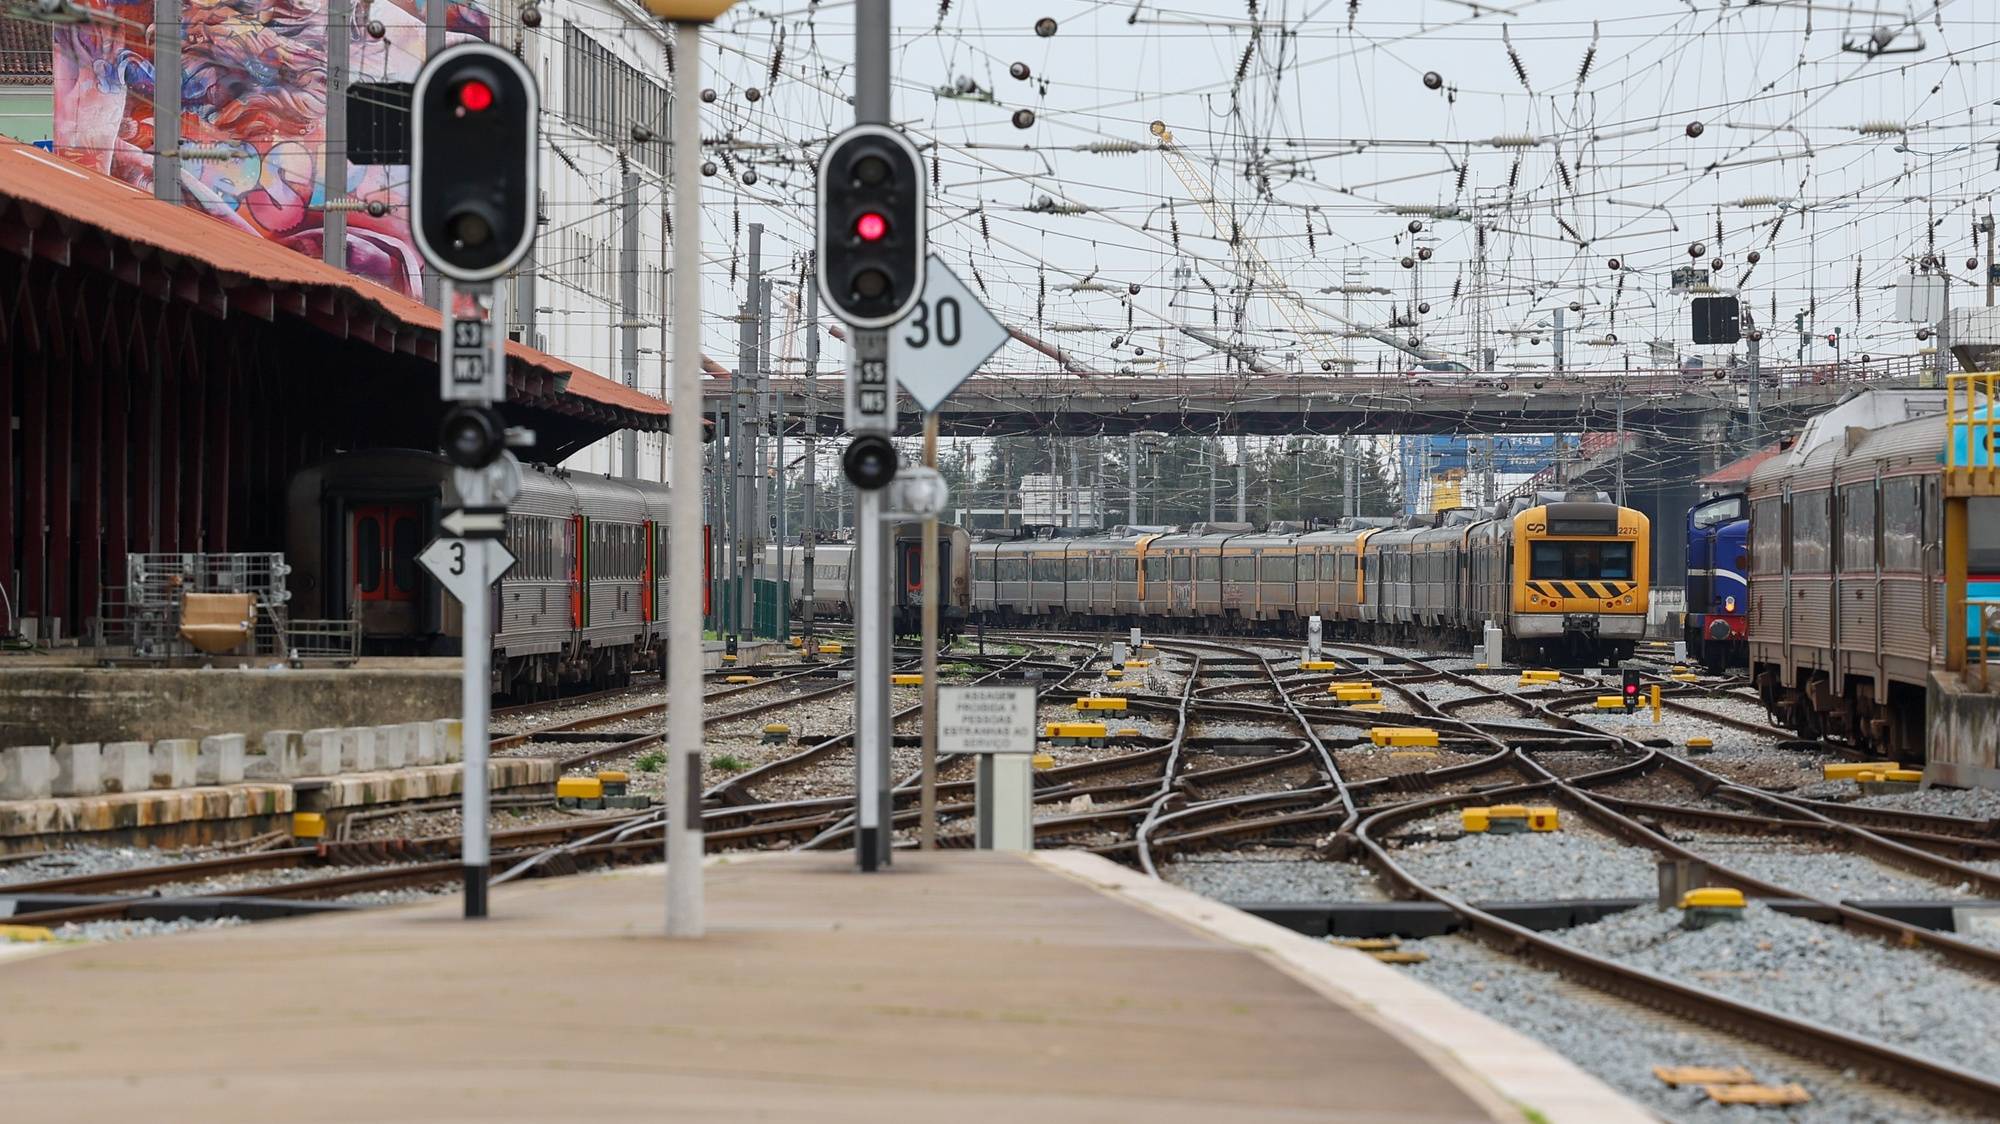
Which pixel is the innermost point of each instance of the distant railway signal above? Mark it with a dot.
(1631, 689)
(869, 462)
(473, 154)
(872, 221)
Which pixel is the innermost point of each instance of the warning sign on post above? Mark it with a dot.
(986, 719)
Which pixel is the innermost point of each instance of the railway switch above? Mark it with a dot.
(1403, 736)
(1507, 819)
(1544, 818)
(776, 732)
(1101, 703)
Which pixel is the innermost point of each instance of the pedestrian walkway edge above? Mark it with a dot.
(1518, 1077)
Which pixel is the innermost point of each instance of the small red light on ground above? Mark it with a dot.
(871, 227)
(475, 95)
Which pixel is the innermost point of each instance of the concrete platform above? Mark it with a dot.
(960, 986)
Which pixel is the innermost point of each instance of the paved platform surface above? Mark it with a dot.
(960, 986)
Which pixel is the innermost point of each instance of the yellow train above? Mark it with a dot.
(1564, 576)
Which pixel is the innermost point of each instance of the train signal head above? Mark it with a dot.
(869, 462)
(472, 436)
(1631, 689)
(473, 152)
(871, 226)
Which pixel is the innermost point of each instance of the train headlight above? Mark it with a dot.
(1729, 604)
(1628, 599)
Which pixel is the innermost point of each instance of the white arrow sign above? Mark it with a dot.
(945, 338)
(466, 566)
(475, 522)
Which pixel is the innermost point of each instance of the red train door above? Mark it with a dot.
(383, 541)
(646, 575)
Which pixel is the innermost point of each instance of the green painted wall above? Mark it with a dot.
(27, 113)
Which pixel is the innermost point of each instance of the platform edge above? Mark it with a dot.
(1498, 1066)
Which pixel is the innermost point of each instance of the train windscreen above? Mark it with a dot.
(1588, 561)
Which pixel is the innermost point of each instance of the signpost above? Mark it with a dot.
(474, 149)
(945, 338)
(997, 724)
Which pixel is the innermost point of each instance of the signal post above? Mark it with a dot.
(474, 134)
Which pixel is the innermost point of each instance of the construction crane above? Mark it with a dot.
(1258, 271)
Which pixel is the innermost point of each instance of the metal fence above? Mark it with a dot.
(145, 615)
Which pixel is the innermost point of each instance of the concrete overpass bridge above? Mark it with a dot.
(1685, 405)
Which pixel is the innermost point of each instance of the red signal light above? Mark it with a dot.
(871, 227)
(475, 96)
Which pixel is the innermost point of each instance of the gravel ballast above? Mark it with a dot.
(1271, 876)
(1536, 866)
(1620, 1044)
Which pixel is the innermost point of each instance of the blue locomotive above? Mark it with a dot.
(1718, 538)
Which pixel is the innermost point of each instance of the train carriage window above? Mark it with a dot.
(1048, 569)
(1767, 535)
(1585, 561)
(1183, 568)
(1857, 527)
(983, 568)
(1079, 568)
(1279, 568)
(1902, 525)
(1239, 568)
(1100, 567)
(1013, 569)
(1128, 569)
(1811, 550)
(1347, 567)
(1208, 568)
(1156, 567)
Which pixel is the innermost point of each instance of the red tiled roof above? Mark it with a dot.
(1737, 472)
(26, 58)
(37, 180)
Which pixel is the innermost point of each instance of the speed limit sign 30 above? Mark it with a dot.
(943, 340)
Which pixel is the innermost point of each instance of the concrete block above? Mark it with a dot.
(221, 759)
(425, 748)
(322, 753)
(278, 756)
(79, 770)
(450, 739)
(128, 767)
(357, 749)
(175, 762)
(27, 772)
(392, 746)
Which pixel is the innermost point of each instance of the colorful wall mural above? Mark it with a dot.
(253, 80)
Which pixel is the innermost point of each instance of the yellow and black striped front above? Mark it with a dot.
(1576, 594)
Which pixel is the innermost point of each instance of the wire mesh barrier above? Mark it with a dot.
(209, 608)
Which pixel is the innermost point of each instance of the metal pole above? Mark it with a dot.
(684, 833)
(872, 624)
(1242, 478)
(477, 696)
(1989, 260)
(1132, 479)
(1756, 385)
(927, 816)
(742, 440)
(333, 220)
(766, 468)
(167, 100)
(1558, 337)
(628, 313)
(1621, 443)
(811, 531)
